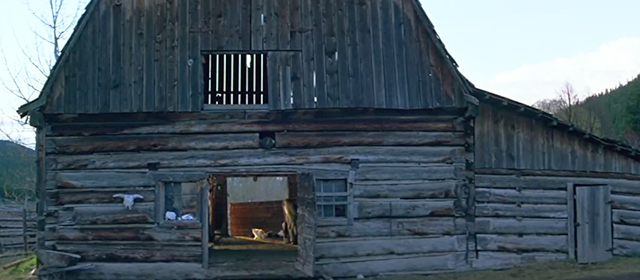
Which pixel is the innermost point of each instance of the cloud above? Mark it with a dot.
(592, 72)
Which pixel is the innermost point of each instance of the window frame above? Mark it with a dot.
(349, 214)
(161, 180)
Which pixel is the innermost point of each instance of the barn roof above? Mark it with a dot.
(499, 101)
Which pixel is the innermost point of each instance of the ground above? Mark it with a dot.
(20, 272)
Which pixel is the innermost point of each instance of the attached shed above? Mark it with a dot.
(215, 111)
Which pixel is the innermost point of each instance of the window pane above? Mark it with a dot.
(319, 209)
(340, 186)
(328, 210)
(182, 200)
(341, 210)
(318, 186)
(327, 187)
(340, 198)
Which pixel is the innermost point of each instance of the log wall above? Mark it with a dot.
(147, 55)
(509, 140)
(409, 183)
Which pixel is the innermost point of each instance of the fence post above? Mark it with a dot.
(24, 230)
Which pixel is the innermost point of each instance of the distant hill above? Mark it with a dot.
(17, 171)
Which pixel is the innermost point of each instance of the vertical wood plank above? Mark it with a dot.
(377, 44)
(284, 24)
(104, 70)
(274, 80)
(319, 53)
(571, 238)
(233, 24)
(498, 136)
(127, 64)
(160, 56)
(92, 77)
(83, 72)
(357, 92)
(343, 54)
(204, 220)
(331, 53)
(286, 80)
(297, 68)
(70, 82)
(117, 37)
(257, 28)
(245, 25)
(196, 82)
(366, 56)
(41, 185)
(150, 55)
(509, 128)
(415, 68)
(137, 102)
(400, 48)
(209, 24)
(172, 56)
(607, 227)
(270, 25)
(390, 78)
(427, 87)
(184, 99)
(295, 22)
(308, 53)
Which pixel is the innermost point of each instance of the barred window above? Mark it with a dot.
(235, 79)
(332, 198)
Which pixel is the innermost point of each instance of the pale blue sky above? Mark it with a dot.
(524, 50)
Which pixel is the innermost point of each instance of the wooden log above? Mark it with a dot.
(558, 173)
(407, 172)
(626, 202)
(99, 214)
(143, 233)
(103, 251)
(332, 139)
(523, 226)
(525, 210)
(394, 227)
(522, 244)
(397, 208)
(371, 266)
(363, 247)
(103, 179)
(259, 157)
(626, 217)
(15, 263)
(405, 189)
(626, 248)
(51, 258)
(626, 232)
(554, 183)
(136, 143)
(524, 196)
(93, 196)
(497, 260)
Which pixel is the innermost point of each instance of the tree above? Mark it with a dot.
(567, 107)
(25, 80)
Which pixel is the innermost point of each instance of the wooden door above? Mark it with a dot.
(306, 223)
(593, 233)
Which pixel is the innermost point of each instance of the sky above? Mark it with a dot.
(523, 50)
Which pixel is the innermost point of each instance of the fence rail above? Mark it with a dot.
(17, 230)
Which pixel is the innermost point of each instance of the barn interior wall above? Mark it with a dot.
(508, 140)
(408, 194)
(146, 55)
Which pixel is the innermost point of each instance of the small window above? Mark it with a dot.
(235, 79)
(332, 198)
(181, 201)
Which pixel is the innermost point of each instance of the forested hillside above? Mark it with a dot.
(17, 171)
(614, 113)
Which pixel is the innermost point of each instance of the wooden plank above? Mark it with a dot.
(284, 24)
(184, 99)
(626, 217)
(626, 202)
(520, 226)
(142, 233)
(371, 266)
(624, 186)
(257, 28)
(270, 33)
(172, 55)
(132, 251)
(319, 54)
(104, 70)
(406, 172)
(90, 145)
(150, 55)
(626, 232)
(107, 214)
(127, 59)
(496, 260)
(101, 195)
(523, 196)
(116, 48)
(70, 83)
(395, 227)
(365, 98)
(522, 244)
(415, 69)
(400, 49)
(90, 180)
(331, 58)
(405, 189)
(288, 156)
(377, 44)
(364, 247)
(275, 61)
(571, 221)
(524, 210)
(327, 139)
(160, 54)
(196, 82)
(203, 234)
(308, 56)
(245, 25)
(498, 139)
(83, 73)
(139, 48)
(344, 59)
(398, 208)
(626, 248)
(307, 220)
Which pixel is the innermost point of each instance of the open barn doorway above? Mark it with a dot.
(247, 229)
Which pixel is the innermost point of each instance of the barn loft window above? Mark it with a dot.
(181, 201)
(235, 80)
(332, 198)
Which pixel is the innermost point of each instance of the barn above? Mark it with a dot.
(207, 114)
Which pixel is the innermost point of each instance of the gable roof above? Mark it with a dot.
(537, 114)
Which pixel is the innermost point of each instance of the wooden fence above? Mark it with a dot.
(17, 230)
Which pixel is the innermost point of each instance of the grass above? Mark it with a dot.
(565, 270)
(19, 272)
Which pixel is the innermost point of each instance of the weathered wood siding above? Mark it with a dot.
(527, 213)
(507, 140)
(409, 188)
(146, 55)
